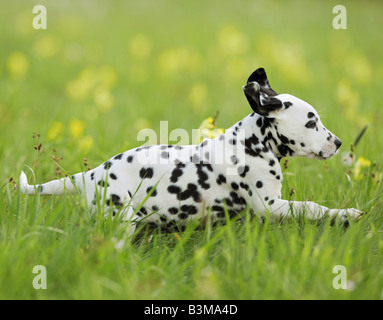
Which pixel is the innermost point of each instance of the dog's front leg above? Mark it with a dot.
(280, 209)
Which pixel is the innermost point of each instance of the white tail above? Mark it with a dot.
(52, 187)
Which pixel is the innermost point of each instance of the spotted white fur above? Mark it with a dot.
(216, 178)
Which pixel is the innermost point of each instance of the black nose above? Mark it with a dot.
(338, 143)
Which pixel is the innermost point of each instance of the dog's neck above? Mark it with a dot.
(265, 129)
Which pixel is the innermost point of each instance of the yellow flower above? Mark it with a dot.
(85, 144)
(347, 96)
(17, 64)
(358, 167)
(46, 47)
(198, 94)
(175, 60)
(76, 128)
(140, 47)
(92, 82)
(107, 76)
(358, 67)
(103, 98)
(231, 41)
(208, 129)
(80, 87)
(55, 131)
(364, 162)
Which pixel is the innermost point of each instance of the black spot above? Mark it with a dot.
(202, 177)
(271, 202)
(155, 208)
(113, 176)
(203, 143)
(173, 210)
(259, 122)
(102, 183)
(250, 144)
(235, 186)
(233, 141)
(284, 150)
(129, 159)
(118, 157)
(92, 176)
(271, 162)
(165, 155)
(283, 139)
(189, 209)
(310, 115)
(259, 184)
(40, 188)
(183, 216)
(234, 159)
(287, 104)
(176, 173)
(221, 179)
(266, 124)
(244, 186)
(311, 124)
(237, 199)
(146, 173)
(115, 200)
(174, 189)
(154, 193)
(243, 170)
(194, 159)
(228, 202)
(272, 172)
(302, 145)
(191, 191)
(143, 211)
(107, 165)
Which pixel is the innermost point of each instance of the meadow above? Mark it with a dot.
(78, 93)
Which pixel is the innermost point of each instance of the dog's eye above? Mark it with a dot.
(311, 124)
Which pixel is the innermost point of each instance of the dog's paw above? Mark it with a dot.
(354, 213)
(350, 214)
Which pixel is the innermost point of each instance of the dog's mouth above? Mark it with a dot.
(321, 156)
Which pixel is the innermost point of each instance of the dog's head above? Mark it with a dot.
(299, 129)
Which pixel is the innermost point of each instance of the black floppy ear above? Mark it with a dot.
(260, 77)
(260, 102)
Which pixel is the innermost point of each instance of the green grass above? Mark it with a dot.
(86, 89)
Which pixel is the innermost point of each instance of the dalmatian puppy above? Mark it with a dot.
(219, 178)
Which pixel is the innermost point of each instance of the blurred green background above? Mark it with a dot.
(102, 70)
